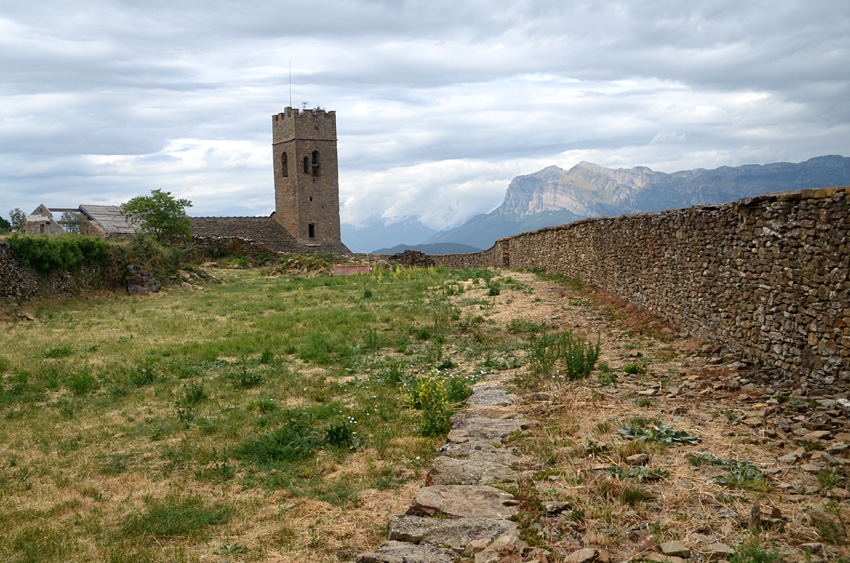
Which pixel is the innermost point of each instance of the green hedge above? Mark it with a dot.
(46, 254)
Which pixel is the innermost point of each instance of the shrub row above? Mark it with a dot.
(46, 254)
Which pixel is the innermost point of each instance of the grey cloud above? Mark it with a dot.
(419, 87)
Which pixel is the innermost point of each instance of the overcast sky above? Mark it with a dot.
(439, 103)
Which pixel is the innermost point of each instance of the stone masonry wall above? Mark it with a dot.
(21, 283)
(766, 276)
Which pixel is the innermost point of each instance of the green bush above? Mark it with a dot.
(46, 254)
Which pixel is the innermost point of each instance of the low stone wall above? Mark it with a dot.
(765, 276)
(22, 283)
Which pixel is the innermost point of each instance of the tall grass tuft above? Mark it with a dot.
(574, 355)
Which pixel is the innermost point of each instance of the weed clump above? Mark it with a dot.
(175, 516)
(430, 396)
(636, 368)
(82, 382)
(657, 432)
(294, 441)
(751, 551)
(241, 378)
(575, 355)
(639, 473)
(145, 373)
(437, 397)
(742, 475)
(57, 352)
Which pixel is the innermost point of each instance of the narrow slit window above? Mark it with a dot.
(311, 230)
(315, 163)
(306, 165)
(284, 165)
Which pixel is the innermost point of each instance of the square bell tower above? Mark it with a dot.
(306, 177)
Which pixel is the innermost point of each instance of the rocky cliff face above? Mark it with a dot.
(591, 190)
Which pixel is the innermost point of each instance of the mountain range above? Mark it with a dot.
(554, 196)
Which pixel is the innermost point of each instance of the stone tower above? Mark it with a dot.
(306, 180)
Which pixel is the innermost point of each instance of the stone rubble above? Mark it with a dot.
(140, 281)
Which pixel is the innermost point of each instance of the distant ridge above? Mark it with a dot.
(554, 196)
(436, 248)
(375, 231)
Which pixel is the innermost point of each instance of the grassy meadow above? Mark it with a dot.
(264, 418)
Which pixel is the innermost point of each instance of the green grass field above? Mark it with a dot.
(263, 418)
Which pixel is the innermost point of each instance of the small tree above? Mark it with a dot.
(5, 226)
(160, 216)
(18, 218)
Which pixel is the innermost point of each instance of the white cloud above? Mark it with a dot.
(439, 104)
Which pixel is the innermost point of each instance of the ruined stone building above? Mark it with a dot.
(92, 220)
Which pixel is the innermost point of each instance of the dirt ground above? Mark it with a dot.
(752, 466)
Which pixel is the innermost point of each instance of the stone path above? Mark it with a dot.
(458, 513)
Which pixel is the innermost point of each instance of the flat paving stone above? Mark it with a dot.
(452, 471)
(483, 429)
(486, 412)
(483, 451)
(400, 552)
(464, 501)
(453, 532)
(489, 395)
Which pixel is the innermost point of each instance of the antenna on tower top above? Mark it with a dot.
(290, 82)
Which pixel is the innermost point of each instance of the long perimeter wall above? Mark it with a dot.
(766, 276)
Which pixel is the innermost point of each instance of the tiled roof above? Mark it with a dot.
(110, 218)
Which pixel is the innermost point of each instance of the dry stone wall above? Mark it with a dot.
(765, 276)
(21, 283)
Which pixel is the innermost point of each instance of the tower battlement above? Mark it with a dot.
(314, 124)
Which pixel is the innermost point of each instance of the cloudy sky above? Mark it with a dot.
(439, 103)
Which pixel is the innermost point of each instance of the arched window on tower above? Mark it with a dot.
(284, 165)
(315, 163)
(306, 165)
